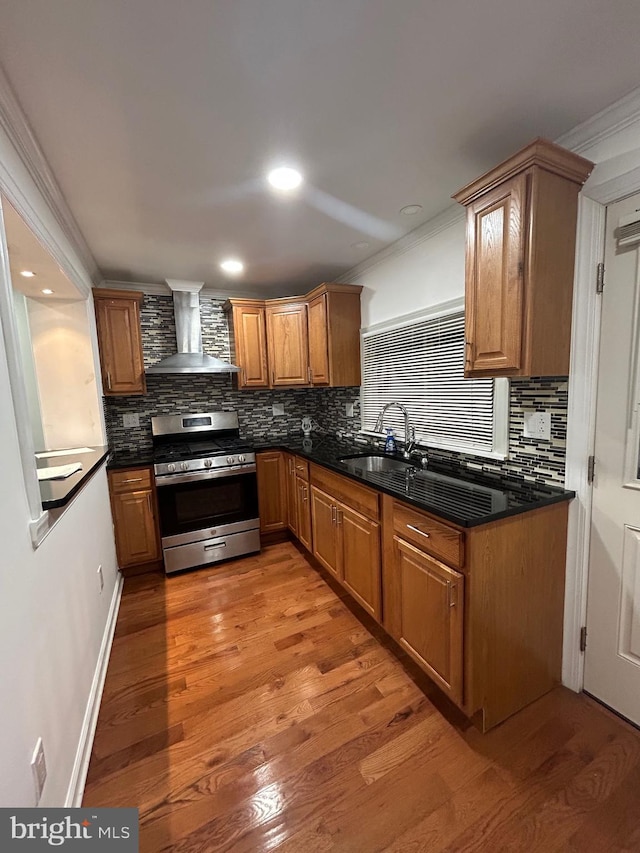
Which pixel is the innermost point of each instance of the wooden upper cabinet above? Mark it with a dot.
(120, 341)
(334, 334)
(248, 338)
(318, 340)
(521, 234)
(287, 343)
(301, 341)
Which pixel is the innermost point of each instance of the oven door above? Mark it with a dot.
(207, 506)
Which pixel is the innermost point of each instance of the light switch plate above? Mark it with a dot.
(131, 421)
(538, 425)
(278, 409)
(349, 409)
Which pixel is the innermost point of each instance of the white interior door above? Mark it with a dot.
(612, 658)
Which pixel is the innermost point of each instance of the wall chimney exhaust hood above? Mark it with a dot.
(190, 358)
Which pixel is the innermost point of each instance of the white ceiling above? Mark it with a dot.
(159, 118)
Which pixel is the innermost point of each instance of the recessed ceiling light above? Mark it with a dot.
(284, 178)
(232, 266)
(47, 291)
(411, 209)
(361, 244)
(27, 273)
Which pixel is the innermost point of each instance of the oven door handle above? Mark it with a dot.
(203, 476)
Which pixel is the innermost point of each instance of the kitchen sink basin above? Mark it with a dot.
(376, 462)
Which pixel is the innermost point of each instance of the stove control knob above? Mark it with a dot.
(208, 463)
(230, 460)
(184, 466)
(171, 467)
(242, 458)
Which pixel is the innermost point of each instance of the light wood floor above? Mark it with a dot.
(247, 709)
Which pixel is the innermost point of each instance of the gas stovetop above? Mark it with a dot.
(205, 442)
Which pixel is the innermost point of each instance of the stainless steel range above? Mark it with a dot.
(207, 489)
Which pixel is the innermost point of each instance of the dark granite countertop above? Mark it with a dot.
(57, 493)
(129, 459)
(456, 494)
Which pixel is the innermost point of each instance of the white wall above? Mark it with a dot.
(424, 269)
(66, 373)
(52, 616)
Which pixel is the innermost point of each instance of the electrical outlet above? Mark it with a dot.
(100, 578)
(538, 425)
(39, 769)
(349, 410)
(277, 409)
(131, 421)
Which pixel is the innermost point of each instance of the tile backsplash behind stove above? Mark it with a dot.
(530, 459)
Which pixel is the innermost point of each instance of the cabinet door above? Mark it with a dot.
(120, 343)
(288, 346)
(360, 558)
(494, 280)
(324, 530)
(135, 528)
(304, 512)
(292, 495)
(318, 341)
(431, 615)
(272, 491)
(249, 329)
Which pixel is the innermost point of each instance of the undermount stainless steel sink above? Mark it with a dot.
(376, 462)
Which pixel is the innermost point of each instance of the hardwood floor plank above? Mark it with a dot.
(247, 709)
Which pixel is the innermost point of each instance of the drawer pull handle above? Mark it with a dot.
(109, 380)
(417, 530)
(333, 513)
(131, 480)
(217, 545)
(299, 467)
(339, 516)
(452, 589)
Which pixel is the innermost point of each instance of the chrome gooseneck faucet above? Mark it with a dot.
(409, 431)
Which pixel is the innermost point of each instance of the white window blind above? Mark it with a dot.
(421, 365)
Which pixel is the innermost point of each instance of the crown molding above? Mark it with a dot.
(452, 215)
(160, 289)
(18, 130)
(603, 125)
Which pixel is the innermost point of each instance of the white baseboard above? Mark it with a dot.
(87, 733)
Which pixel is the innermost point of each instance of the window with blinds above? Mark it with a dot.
(420, 363)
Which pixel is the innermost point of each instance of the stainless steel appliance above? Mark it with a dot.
(207, 489)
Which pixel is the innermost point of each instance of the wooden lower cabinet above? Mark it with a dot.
(133, 505)
(430, 605)
(291, 493)
(272, 491)
(303, 509)
(325, 540)
(348, 545)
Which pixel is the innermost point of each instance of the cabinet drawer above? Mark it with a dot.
(429, 535)
(130, 480)
(357, 497)
(301, 467)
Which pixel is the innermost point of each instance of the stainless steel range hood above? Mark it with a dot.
(190, 358)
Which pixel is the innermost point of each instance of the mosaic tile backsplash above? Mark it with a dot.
(529, 459)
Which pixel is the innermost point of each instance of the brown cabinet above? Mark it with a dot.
(292, 493)
(520, 247)
(120, 341)
(298, 498)
(287, 343)
(304, 512)
(431, 615)
(133, 505)
(345, 541)
(272, 491)
(248, 338)
(302, 341)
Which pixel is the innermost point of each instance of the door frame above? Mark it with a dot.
(612, 140)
